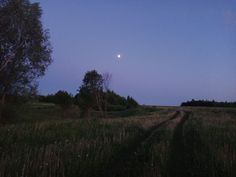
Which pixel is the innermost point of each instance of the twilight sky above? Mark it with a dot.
(171, 50)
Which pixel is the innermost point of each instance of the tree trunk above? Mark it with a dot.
(2, 103)
(3, 99)
(99, 103)
(105, 106)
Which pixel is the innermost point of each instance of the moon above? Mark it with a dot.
(118, 56)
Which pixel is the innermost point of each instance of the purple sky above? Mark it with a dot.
(172, 50)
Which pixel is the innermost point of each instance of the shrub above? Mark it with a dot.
(63, 98)
(131, 103)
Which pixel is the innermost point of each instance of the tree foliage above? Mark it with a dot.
(106, 82)
(131, 103)
(63, 98)
(94, 94)
(25, 51)
(206, 103)
(115, 99)
(91, 92)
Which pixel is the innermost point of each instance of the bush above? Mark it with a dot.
(115, 99)
(116, 108)
(131, 103)
(63, 98)
(8, 114)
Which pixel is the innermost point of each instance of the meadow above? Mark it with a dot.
(145, 142)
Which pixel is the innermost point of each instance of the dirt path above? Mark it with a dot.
(176, 163)
(131, 158)
(188, 154)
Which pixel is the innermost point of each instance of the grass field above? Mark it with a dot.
(150, 142)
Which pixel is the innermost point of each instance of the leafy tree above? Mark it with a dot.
(207, 103)
(47, 99)
(25, 51)
(91, 91)
(64, 99)
(106, 82)
(115, 101)
(84, 99)
(131, 103)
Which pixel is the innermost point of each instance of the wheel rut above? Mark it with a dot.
(176, 164)
(128, 162)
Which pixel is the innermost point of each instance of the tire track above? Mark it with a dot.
(131, 158)
(177, 163)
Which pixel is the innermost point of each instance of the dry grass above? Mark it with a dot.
(71, 148)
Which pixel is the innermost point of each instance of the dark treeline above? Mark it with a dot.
(114, 100)
(207, 103)
(93, 95)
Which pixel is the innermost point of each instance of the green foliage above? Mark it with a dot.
(90, 93)
(93, 81)
(9, 113)
(215, 135)
(203, 144)
(115, 100)
(63, 98)
(206, 103)
(66, 148)
(25, 48)
(127, 112)
(84, 99)
(116, 108)
(92, 96)
(119, 103)
(38, 112)
(46, 99)
(131, 103)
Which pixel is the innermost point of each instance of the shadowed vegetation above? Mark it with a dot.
(170, 142)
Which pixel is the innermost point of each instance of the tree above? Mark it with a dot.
(131, 103)
(25, 50)
(115, 102)
(91, 91)
(106, 82)
(84, 99)
(64, 99)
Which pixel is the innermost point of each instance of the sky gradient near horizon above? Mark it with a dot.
(171, 50)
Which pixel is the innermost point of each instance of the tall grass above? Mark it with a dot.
(67, 148)
(210, 138)
(202, 145)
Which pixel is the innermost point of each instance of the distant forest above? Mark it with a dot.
(207, 103)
